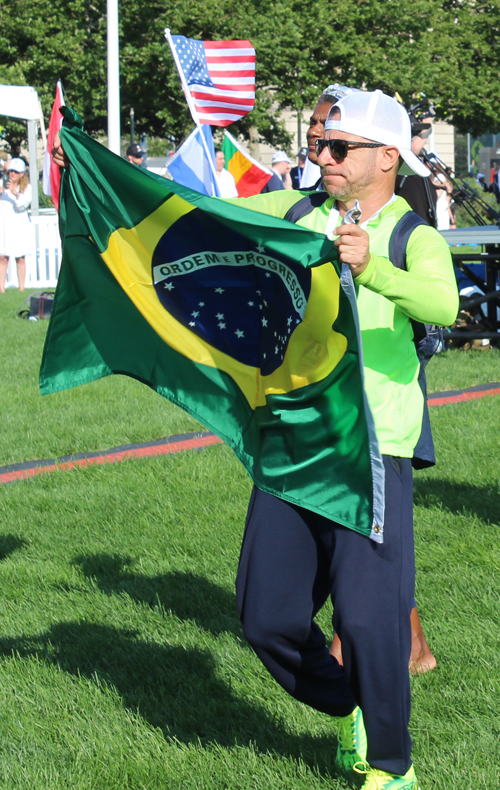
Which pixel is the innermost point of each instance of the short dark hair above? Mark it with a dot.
(327, 98)
(218, 151)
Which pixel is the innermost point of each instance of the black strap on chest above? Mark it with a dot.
(305, 205)
(399, 237)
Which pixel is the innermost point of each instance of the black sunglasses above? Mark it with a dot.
(338, 149)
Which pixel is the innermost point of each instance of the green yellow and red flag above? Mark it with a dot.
(237, 317)
(250, 176)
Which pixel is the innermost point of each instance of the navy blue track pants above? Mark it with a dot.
(291, 561)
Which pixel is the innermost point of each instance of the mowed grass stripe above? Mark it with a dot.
(122, 662)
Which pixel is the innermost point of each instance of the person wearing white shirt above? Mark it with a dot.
(225, 180)
(444, 216)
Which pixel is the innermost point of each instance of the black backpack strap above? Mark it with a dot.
(426, 339)
(397, 256)
(399, 238)
(423, 453)
(305, 205)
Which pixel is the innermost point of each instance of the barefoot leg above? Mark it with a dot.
(21, 272)
(421, 658)
(4, 262)
(336, 649)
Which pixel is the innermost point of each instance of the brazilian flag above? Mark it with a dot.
(237, 317)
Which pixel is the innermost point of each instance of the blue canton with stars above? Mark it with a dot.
(245, 311)
(191, 54)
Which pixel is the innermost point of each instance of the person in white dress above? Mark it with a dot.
(444, 214)
(225, 179)
(15, 226)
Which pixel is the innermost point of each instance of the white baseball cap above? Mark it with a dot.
(280, 156)
(376, 116)
(16, 164)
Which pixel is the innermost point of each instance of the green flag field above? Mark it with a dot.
(122, 661)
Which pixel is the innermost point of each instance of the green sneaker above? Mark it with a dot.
(380, 780)
(352, 741)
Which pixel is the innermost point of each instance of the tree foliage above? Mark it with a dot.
(445, 48)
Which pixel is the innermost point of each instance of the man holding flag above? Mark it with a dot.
(293, 556)
(302, 429)
(293, 559)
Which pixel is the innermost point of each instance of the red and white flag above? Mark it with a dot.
(51, 177)
(219, 76)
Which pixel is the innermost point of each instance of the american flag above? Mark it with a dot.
(220, 76)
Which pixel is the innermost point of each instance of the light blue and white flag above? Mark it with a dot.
(190, 167)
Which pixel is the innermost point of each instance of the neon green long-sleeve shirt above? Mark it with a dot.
(387, 298)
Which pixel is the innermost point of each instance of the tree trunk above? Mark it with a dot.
(253, 144)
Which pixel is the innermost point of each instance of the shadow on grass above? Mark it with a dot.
(186, 595)
(9, 544)
(458, 498)
(174, 689)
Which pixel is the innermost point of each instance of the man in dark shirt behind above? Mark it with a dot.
(419, 192)
(296, 172)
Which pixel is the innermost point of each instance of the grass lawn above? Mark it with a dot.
(122, 663)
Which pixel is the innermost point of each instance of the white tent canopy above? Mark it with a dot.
(19, 101)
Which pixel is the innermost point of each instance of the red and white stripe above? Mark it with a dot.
(51, 177)
(231, 65)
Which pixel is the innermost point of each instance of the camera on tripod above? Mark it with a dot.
(423, 108)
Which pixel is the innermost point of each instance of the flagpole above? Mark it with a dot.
(42, 126)
(189, 100)
(113, 45)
